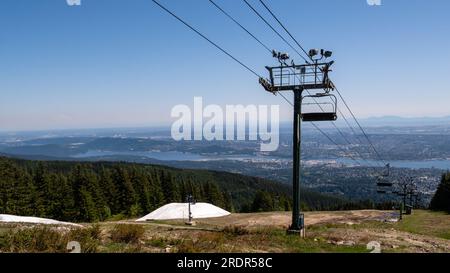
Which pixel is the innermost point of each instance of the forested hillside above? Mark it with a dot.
(88, 192)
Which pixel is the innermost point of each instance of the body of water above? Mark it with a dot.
(165, 156)
(180, 156)
(411, 164)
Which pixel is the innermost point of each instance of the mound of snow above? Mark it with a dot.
(6, 218)
(181, 211)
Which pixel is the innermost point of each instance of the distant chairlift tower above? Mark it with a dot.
(191, 201)
(298, 78)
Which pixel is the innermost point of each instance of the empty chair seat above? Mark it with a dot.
(324, 116)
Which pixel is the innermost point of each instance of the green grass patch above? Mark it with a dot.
(426, 222)
(294, 243)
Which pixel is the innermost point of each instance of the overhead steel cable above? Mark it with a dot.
(240, 25)
(339, 130)
(268, 49)
(349, 125)
(332, 141)
(329, 138)
(306, 53)
(346, 105)
(360, 127)
(271, 27)
(285, 29)
(207, 39)
(325, 134)
(356, 135)
(279, 35)
(239, 62)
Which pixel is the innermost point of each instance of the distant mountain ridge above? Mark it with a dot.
(405, 121)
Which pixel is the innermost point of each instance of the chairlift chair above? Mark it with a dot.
(384, 184)
(382, 179)
(329, 115)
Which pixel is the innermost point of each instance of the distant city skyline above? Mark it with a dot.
(124, 63)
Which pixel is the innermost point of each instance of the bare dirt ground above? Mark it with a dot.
(404, 241)
(343, 228)
(340, 231)
(283, 219)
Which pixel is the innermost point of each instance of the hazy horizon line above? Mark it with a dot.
(168, 125)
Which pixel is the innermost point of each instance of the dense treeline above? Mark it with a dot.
(88, 192)
(97, 191)
(441, 199)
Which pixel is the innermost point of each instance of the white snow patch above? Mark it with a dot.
(7, 218)
(181, 211)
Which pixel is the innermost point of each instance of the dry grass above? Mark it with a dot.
(127, 233)
(52, 239)
(423, 231)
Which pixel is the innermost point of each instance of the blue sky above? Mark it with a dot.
(110, 63)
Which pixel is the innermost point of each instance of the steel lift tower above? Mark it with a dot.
(298, 78)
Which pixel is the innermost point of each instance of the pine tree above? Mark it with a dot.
(16, 191)
(213, 194)
(93, 187)
(108, 190)
(441, 199)
(68, 210)
(157, 195)
(60, 203)
(54, 207)
(6, 190)
(86, 194)
(262, 202)
(40, 181)
(141, 183)
(88, 210)
(183, 190)
(126, 195)
(170, 189)
(227, 200)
